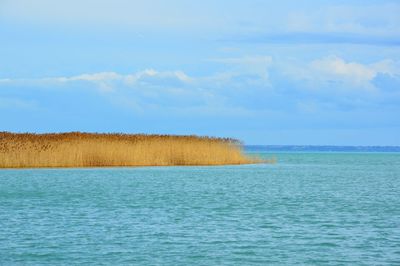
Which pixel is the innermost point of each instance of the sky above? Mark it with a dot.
(265, 72)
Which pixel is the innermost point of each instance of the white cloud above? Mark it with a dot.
(245, 83)
(252, 70)
(247, 72)
(96, 77)
(102, 79)
(107, 81)
(150, 88)
(345, 74)
(337, 68)
(141, 76)
(387, 66)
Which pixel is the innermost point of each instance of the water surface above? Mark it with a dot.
(309, 208)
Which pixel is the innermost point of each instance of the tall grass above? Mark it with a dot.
(77, 149)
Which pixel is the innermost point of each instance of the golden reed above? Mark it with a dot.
(77, 149)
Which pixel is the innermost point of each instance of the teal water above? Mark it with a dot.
(309, 208)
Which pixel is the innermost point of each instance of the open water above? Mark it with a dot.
(318, 208)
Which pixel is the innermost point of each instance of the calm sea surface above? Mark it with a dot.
(309, 208)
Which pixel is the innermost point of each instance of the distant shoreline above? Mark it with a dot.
(320, 148)
(76, 149)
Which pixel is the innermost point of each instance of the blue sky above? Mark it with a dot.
(266, 72)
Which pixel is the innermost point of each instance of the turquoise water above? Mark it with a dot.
(309, 208)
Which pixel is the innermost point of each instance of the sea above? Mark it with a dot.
(316, 205)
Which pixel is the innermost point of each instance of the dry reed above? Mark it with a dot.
(77, 149)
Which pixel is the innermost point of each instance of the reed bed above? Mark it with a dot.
(75, 149)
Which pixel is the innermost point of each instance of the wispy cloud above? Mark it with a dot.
(354, 17)
(247, 83)
(319, 38)
(238, 70)
(109, 81)
(16, 103)
(368, 17)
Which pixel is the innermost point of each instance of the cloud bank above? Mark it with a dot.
(249, 84)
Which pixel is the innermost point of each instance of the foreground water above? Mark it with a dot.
(309, 208)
